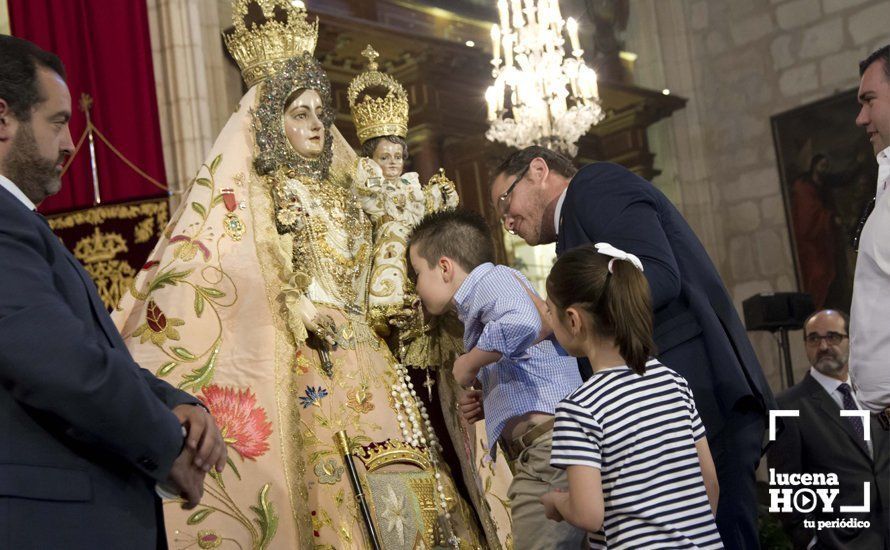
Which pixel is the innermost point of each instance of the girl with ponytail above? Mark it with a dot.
(639, 468)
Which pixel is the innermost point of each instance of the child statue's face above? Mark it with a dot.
(388, 156)
(303, 125)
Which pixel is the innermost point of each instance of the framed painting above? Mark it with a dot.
(828, 171)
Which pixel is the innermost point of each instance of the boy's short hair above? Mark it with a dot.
(458, 234)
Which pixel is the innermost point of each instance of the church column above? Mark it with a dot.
(191, 84)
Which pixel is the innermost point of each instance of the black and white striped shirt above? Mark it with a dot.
(640, 432)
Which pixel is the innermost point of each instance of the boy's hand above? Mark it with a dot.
(464, 371)
(549, 502)
(470, 405)
(467, 366)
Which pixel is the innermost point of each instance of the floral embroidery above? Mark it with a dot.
(301, 365)
(359, 400)
(208, 539)
(188, 248)
(244, 426)
(329, 472)
(262, 527)
(319, 522)
(313, 396)
(157, 327)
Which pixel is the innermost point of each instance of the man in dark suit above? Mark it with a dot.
(820, 440)
(541, 198)
(87, 435)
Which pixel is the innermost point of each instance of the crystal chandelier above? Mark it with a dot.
(540, 95)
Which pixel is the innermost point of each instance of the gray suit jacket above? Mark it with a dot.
(820, 440)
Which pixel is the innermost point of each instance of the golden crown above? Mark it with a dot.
(381, 454)
(377, 116)
(262, 50)
(99, 247)
(440, 179)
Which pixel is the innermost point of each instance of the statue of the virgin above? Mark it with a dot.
(256, 300)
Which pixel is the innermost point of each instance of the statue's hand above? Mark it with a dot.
(319, 324)
(324, 328)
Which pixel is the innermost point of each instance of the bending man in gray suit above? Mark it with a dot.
(820, 440)
(85, 434)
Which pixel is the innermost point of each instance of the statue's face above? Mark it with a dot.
(303, 125)
(390, 158)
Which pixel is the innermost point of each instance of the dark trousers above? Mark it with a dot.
(736, 451)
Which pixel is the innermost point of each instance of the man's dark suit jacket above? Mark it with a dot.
(697, 330)
(820, 440)
(85, 432)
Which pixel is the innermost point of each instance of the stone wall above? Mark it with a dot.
(739, 63)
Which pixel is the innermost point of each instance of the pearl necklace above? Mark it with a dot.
(404, 396)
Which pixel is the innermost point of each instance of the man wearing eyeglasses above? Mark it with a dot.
(820, 440)
(542, 198)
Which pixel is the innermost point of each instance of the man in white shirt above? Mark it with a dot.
(820, 440)
(869, 325)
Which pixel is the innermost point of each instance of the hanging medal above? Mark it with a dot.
(232, 224)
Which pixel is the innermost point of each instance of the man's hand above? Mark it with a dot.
(203, 437)
(187, 480)
(549, 502)
(543, 313)
(470, 405)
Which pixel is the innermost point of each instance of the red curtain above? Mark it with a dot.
(106, 49)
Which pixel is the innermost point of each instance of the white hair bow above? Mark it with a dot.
(608, 250)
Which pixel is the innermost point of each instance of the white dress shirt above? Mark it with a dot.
(7, 184)
(870, 311)
(558, 212)
(830, 385)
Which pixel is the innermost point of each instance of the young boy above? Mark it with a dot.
(452, 256)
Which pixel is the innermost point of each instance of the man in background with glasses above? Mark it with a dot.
(820, 440)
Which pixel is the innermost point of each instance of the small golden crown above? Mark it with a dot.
(377, 116)
(262, 50)
(381, 454)
(99, 247)
(439, 178)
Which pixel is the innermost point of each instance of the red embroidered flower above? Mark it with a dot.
(157, 326)
(155, 318)
(208, 540)
(243, 425)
